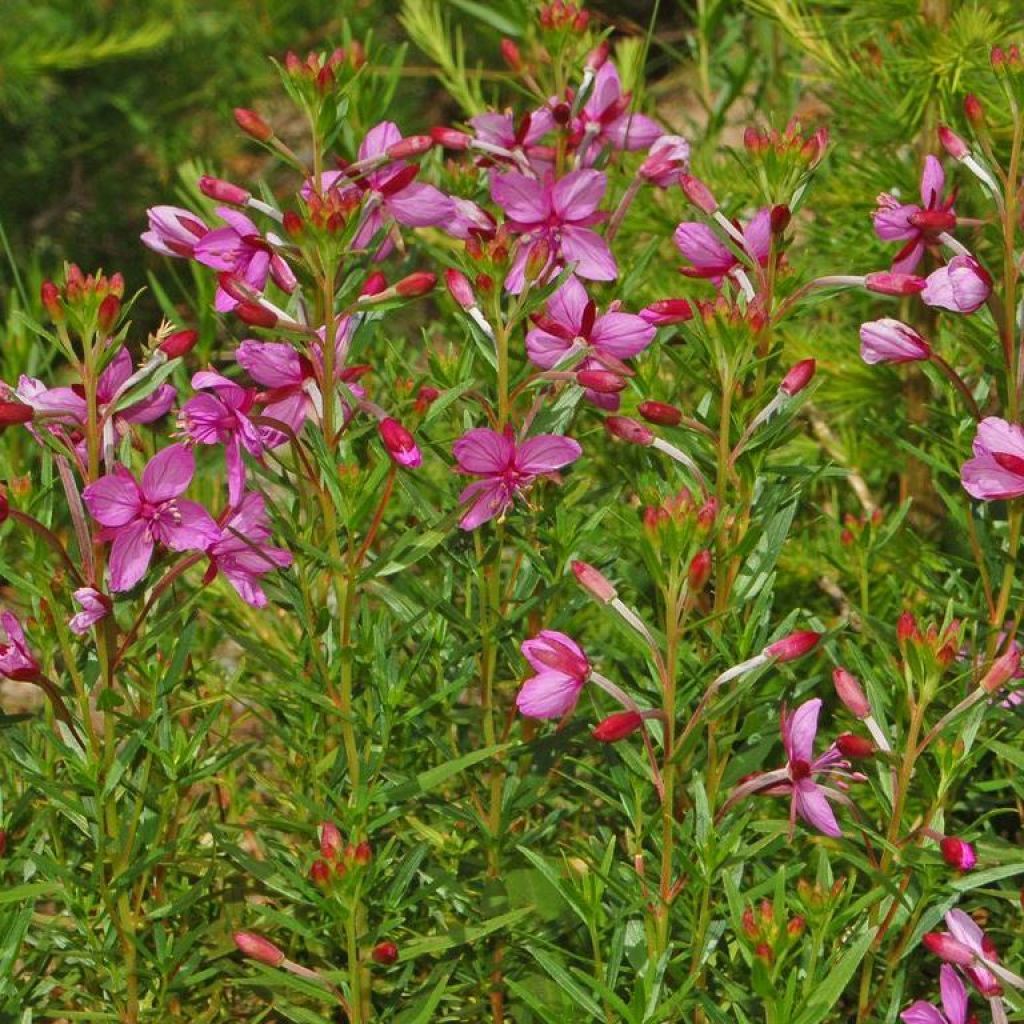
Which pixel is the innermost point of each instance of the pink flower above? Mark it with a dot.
(997, 470)
(504, 133)
(241, 250)
(95, 606)
(607, 119)
(558, 214)
(711, 257)
(962, 285)
(221, 416)
(667, 160)
(139, 516)
(562, 668)
(572, 324)
(173, 231)
(966, 945)
(917, 225)
(16, 660)
(890, 341)
(507, 468)
(242, 553)
(954, 1003)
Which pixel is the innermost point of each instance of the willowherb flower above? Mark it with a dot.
(221, 415)
(606, 120)
(561, 668)
(507, 467)
(667, 160)
(967, 946)
(916, 225)
(243, 552)
(94, 605)
(997, 470)
(571, 324)
(711, 257)
(16, 658)
(962, 285)
(890, 341)
(954, 1003)
(506, 137)
(555, 217)
(138, 515)
(174, 231)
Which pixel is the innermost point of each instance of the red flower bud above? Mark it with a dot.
(699, 572)
(223, 191)
(617, 726)
(450, 138)
(952, 143)
(594, 582)
(885, 282)
(385, 953)
(374, 284)
(973, 110)
(1003, 669)
(698, 193)
(850, 693)
(798, 377)
(796, 645)
(363, 854)
(3, 842)
(948, 948)
(626, 429)
(511, 55)
(401, 445)
(108, 313)
(667, 311)
(292, 224)
(178, 344)
(258, 948)
(604, 382)
(597, 56)
(906, 628)
(856, 747)
(253, 125)
(418, 283)
(780, 217)
(255, 316)
(659, 412)
(410, 146)
(12, 413)
(50, 295)
(330, 840)
(459, 288)
(320, 872)
(958, 854)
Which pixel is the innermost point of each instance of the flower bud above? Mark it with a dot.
(699, 572)
(1003, 669)
(597, 56)
(401, 445)
(856, 747)
(410, 146)
(850, 693)
(594, 582)
(667, 311)
(604, 382)
(362, 854)
(794, 646)
(223, 191)
(933, 221)
(511, 55)
(385, 953)
(459, 287)
(450, 138)
(13, 413)
(108, 313)
(698, 193)
(330, 840)
(253, 125)
(418, 283)
(906, 627)
(258, 948)
(49, 293)
(5, 508)
(661, 413)
(952, 143)
(958, 854)
(178, 344)
(617, 726)
(947, 948)
(374, 284)
(886, 282)
(3, 842)
(798, 377)
(626, 429)
(779, 218)
(973, 110)
(320, 872)
(292, 224)
(255, 316)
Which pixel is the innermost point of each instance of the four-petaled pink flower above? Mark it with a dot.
(173, 231)
(562, 668)
(967, 946)
(522, 135)
(221, 416)
(954, 1003)
(607, 119)
(890, 341)
(558, 215)
(571, 323)
(962, 285)
(997, 470)
(243, 553)
(508, 468)
(917, 225)
(241, 250)
(667, 161)
(137, 516)
(711, 257)
(16, 659)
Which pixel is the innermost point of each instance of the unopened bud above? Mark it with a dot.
(886, 282)
(253, 125)
(698, 193)
(906, 627)
(450, 138)
(779, 218)
(320, 872)
(795, 926)
(401, 445)
(850, 693)
(178, 344)
(108, 313)
(597, 56)
(699, 572)
(459, 288)
(330, 840)
(973, 110)
(410, 146)
(661, 413)
(385, 953)
(223, 191)
(511, 55)
(418, 283)
(258, 948)
(594, 582)
(958, 854)
(798, 377)
(604, 382)
(374, 284)
(255, 316)
(626, 429)
(49, 293)
(363, 854)
(856, 747)
(952, 143)
(667, 311)
(1003, 669)
(617, 726)
(796, 645)
(292, 224)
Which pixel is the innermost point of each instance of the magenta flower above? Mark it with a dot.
(221, 416)
(558, 215)
(242, 553)
(967, 946)
(562, 668)
(607, 119)
(954, 1003)
(137, 516)
(711, 257)
(16, 659)
(667, 161)
(962, 285)
(173, 231)
(241, 250)
(507, 468)
(890, 341)
(95, 606)
(506, 134)
(997, 470)
(571, 324)
(917, 225)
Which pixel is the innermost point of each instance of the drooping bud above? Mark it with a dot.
(952, 143)
(661, 413)
(108, 313)
(957, 853)
(258, 948)
(886, 282)
(699, 572)
(410, 146)
(604, 382)
(459, 288)
(798, 377)
(420, 282)
(794, 646)
(667, 311)
(947, 948)
(1003, 669)
(178, 344)
(850, 693)
(253, 125)
(223, 191)
(617, 726)
(385, 953)
(627, 429)
(698, 193)
(450, 138)
(255, 316)
(14, 413)
(401, 445)
(856, 747)
(594, 582)
(330, 840)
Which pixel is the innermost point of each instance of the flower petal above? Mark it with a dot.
(577, 195)
(483, 451)
(545, 453)
(590, 254)
(812, 805)
(130, 555)
(548, 694)
(114, 500)
(168, 473)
